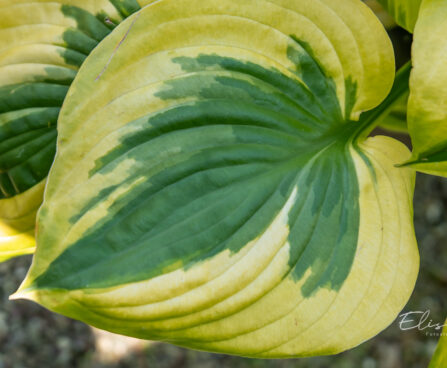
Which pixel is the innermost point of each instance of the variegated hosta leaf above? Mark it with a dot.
(209, 188)
(405, 12)
(427, 109)
(42, 45)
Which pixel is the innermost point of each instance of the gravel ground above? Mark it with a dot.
(32, 337)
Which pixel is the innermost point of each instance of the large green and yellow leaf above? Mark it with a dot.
(427, 109)
(405, 12)
(211, 188)
(42, 45)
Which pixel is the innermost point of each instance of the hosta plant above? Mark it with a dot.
(427, 107)
(214, 184)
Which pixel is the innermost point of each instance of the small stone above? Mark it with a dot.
(389, 355)
(369, 363)
(430, 347)
(434, 212)
(3, 325)
(63, 343)
(20, 273)
(35, 327)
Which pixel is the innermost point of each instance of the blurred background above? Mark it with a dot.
(32, 337)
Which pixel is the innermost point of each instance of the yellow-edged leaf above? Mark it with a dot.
(211, 187)
(42, 45)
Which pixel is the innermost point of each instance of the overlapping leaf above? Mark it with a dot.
(405, 12)
(439, 359)
(427, 109)
(426, 115)
(42, 45)
(210, 188)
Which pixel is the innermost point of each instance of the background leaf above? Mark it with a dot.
(440, 357)
(427, 109)
(405, 12)
(42, 45)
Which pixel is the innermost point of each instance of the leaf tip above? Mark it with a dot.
(24, 292)
(20, 294)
